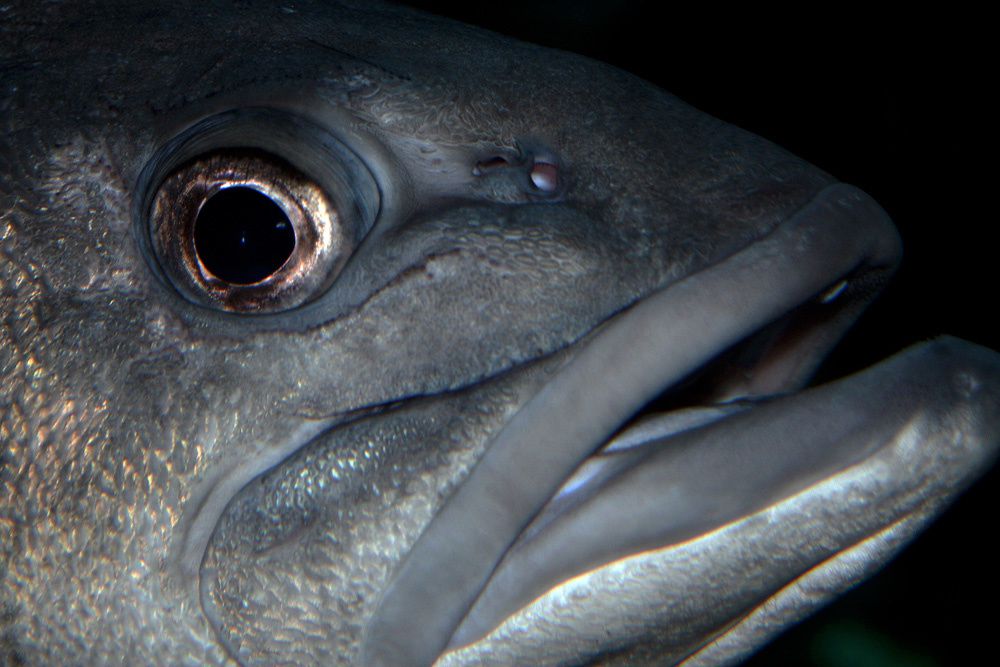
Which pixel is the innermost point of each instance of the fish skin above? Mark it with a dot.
(72, 419)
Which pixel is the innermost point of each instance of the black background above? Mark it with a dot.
(892, 104)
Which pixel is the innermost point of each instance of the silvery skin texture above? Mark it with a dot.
(124, 405)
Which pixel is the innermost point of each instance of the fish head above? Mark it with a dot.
(416, 432)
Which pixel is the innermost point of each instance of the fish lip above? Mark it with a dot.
(841, 232)
(694, 463)
(875, 478)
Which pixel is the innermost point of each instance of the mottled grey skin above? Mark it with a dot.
(134, 421)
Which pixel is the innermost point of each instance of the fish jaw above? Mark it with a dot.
(887, 450)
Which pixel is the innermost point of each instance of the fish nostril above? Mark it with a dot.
(484, 166)
(538, 176)
(545, 176)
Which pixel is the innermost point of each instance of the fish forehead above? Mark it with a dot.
(79, 136)
(122, 402)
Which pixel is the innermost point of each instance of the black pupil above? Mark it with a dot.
(242, 236)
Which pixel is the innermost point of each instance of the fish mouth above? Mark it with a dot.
(777, 306)
(720, 353)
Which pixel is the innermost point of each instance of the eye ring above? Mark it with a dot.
(321, 242)
(307, 173)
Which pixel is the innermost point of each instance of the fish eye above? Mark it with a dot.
(247, 232)
(254, 211)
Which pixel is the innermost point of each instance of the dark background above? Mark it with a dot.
(891, 104)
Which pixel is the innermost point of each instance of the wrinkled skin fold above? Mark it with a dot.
(443, 455)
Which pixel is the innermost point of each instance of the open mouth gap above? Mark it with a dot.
(800, 340)
(720, 388)
(740, 305)
(569, 536)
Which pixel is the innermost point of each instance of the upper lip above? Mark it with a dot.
(840, 234)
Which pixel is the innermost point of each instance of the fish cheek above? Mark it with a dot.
(296, 564)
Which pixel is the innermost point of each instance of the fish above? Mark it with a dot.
(420, 435)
